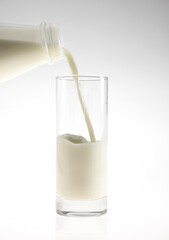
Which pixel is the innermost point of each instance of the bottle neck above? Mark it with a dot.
(51, 42)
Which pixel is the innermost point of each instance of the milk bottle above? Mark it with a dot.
(23, 48)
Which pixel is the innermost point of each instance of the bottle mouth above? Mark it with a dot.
(51, 41)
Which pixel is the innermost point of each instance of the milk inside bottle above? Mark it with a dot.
(23, 48)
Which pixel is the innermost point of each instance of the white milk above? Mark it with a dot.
(18, 57)
(81, 168)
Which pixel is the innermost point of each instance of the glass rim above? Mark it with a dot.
(82, 77)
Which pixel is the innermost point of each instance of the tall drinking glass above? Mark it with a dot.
(81, 145)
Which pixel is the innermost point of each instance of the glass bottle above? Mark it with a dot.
(23, 48)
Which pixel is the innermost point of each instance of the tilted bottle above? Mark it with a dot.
(23, 48)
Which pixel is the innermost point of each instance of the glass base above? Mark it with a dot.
(76, 208)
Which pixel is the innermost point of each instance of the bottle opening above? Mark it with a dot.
(51, 40)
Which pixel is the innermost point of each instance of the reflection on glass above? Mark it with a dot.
(94, 228)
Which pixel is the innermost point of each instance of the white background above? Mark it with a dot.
(129, 42)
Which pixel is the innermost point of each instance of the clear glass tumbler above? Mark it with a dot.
(81, 158)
